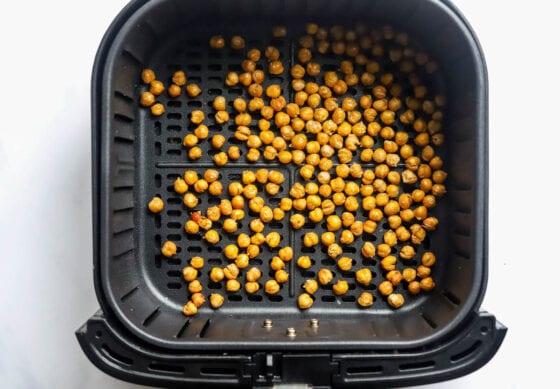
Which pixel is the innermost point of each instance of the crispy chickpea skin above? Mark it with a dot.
(395, 300)
(340, 288)
(364, 276)
(325, 276)
(190, 309)
(365, 300)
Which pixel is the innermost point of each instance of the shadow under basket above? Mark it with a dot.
(140, 335)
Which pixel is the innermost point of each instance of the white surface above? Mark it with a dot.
(46, 289)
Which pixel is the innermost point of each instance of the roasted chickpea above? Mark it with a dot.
(156, 205)
(366, 299)
(364, 276)
(395, 300)
(231, 271)
(147, 99)
(305, 301)
(423, 271)
(192, 227)
(252, 287)
(216, 274)
(148, 75)
(190, 273)
(271, 287)
(156, 88)
(200, 186)
(195, 286)
(304, 262)
(414, 287)
(198, 299)
(232, 285)
(281, 276)
(389, 263)
(231, 251)
(216, 300)
(297, 221)
(340, 288)
(212, 236)
(286, 253)
(310, 286)
(169, 249)
(273, 239)
(190, 309)
(230, 225)
(325, 276)
(157, 109)
(427, 284)
(428, 259)
(368, 250)
(277, 264)
(256, 225)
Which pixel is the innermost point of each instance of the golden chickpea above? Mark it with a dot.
(191, 227)
(368, 250)
(273, 239)
(212, 236)
(231, 271)
(271, 287)
(216, 274)
(389, 263)
(304, 262)
(427, 284)
(390, 238)
(370, 226)
(305, 301)
(325, 276)
(193, 90)
(147, 99)
(266, 214)
(281, 276)
(252, 287)
(340, 288)
(277, 264)
(346, 237)
(364, 276)
(395, 300)
(409, 274)
(218, 141)
(297, 221)
(395, 277)
(198, 299)
(156, 205)
(147, 76)
(310, 239)
(253, 274)
(310, 286)
(156, 87)
(195, 286)
(200, 186)
(365, 299)
(286, 253)
(174, 90)
(157, 109)
(190, 273)
(195, 153)
(428, 259)
(232, 285)
(423, 271)
(256, 225)
(231, 251)
(216, 300)
(168, 249)
(190, 309)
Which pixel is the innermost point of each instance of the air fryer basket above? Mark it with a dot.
(137, 156)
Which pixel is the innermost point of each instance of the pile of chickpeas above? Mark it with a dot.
(365, 141)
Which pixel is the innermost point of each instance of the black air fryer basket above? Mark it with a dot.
(140, 335)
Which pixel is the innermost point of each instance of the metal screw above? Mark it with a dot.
(291, 332)
(267, 323)
(314, 323)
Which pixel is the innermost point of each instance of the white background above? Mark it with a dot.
(46, 290)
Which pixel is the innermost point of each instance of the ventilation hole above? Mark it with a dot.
(275, 298)
(194, 54)
(308, 274)
(329, 67)
(174, 225)
(193, 67)
(214, 200)
(183, 329)
(165, 368)
(174, 273)
(349, 274)
(173, 261)
(466, 353)
(218, 371)
(174, 115)
(125, 296)
(174, 152)
(174, 104)
(276, 225)
(214, 261)
(417, 365)
(157, 220)
(174, 200)
(214, 92)
(174, 141)
(173, 212)
(215, 249)
(196, 238)
(215, 67)
(116, 357)
(174, 285)
(254, 298)
(151, 317)
(234, 68)
(157, 262)
(328, 299)
(174, 237)
(215, 79)
(157, 178)
(352, 91)
(307, 250)
(157, 126)
(173, 128)
(234, 297)
(213, 152)
(364, 370)
(195, 79)
(327, 262)
(235, 91)
(234, 176)
(427, 243)
(98, 334)
(214, 285)
(204, 329)
(194, 103)
(194, 249)
(483, 330)
(348, 299)
(451, 297)
(276, 80)
(123, 118)
(349, 249)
